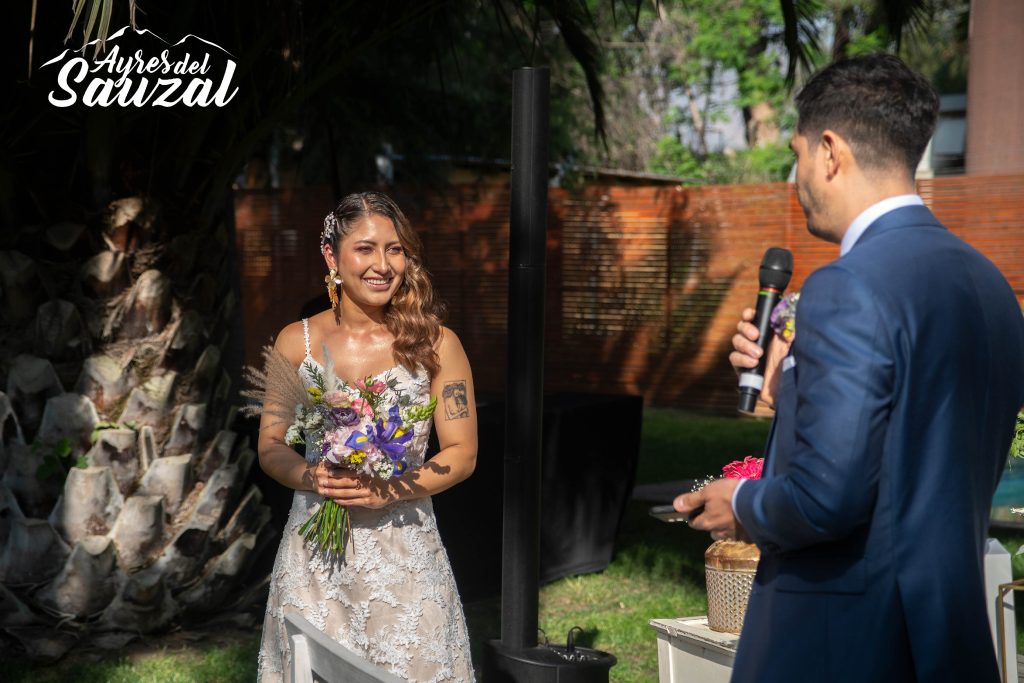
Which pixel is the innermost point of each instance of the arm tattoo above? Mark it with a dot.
(455, 404)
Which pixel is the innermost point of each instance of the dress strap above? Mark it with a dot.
(305, 334)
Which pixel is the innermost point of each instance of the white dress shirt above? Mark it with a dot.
(872, 214)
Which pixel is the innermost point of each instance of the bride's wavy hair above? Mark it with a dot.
(414, 314)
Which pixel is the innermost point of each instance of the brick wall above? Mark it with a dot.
(644, 284)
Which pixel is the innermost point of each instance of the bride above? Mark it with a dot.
(392, 599)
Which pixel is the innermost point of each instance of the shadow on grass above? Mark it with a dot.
(660, 551)
(227, 658)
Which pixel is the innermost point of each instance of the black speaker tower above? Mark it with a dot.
(517, 658)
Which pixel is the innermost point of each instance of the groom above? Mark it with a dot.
(894, 412)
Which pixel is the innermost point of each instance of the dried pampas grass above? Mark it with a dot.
(275, 390)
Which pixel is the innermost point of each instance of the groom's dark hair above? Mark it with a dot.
(884, 109)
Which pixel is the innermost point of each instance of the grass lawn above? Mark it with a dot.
(226, 658)
(658, 571)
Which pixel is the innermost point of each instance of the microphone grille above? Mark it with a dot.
(776, 268)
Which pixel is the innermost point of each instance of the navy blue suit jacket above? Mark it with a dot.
(891, 432)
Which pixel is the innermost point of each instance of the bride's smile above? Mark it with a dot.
(378, 284)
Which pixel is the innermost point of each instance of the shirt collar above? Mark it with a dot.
(872, 214)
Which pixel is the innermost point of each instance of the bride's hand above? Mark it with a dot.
(747, 354)
(360, 490)
(328, 479)
(778, 349)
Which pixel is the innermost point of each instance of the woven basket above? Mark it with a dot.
(729, 567)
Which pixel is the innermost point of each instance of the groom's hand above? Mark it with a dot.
(717, 517)
(746, 353)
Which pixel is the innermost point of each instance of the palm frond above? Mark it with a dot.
(572, 19)
(78, 7)
(233, 158)
(94, 10)
(99, 11)
(800, 35)
(104, 28)
(903, 15)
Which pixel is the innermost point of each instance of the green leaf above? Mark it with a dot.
(1017, 445)
(50, 467)
(82, 462)
(316, 375)
(99, 428)
(63, 448)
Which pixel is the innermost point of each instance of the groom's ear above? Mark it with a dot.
(835, 152)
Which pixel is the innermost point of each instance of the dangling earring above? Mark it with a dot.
(333, 282)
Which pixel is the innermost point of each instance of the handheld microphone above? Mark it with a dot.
(776, 269)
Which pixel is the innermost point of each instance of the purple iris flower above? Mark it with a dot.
(382, 436)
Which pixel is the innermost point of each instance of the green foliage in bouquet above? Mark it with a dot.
(419, 413)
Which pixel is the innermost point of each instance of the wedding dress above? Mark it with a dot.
(393, 600)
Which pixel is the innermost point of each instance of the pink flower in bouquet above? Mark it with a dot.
(337, 399)
(748, 468)
(375, 388)
(334, 448)
(362, 407)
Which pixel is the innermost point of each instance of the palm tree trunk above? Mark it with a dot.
(123, 486)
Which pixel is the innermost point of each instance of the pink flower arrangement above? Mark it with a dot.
(377, 387)
(748, 468)
(362, 407)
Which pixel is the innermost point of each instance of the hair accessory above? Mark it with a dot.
(330, 232)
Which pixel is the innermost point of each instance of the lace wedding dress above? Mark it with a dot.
(393, 600)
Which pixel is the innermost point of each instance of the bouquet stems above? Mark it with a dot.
(328, 528)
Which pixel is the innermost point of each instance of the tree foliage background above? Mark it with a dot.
(699, 89)
(329, 86)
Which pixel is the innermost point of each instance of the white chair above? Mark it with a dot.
(314, 654)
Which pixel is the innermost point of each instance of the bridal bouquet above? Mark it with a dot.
(358, 432)
(783, 317)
